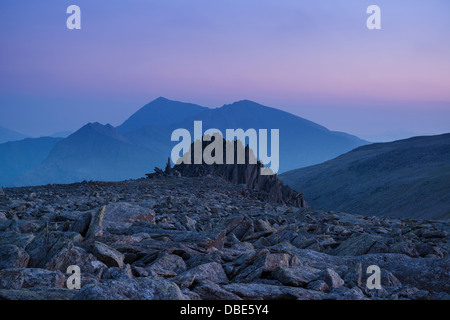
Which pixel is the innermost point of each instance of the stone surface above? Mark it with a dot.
(331, 278)
(208, 290)
(30, 277)
(167, 265)
(296, 276)
(131, 289)
(96, 224)
(211, 271)
(206, 237)
(110, 256)
(270, 187)
(12, 256)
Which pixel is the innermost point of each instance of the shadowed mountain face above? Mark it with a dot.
(405, 178)
(302, 142)
(160, 113)
(95, 152)
(17, 157)
(102, 152)
(7, 135)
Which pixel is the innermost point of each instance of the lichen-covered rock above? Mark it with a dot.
(205, 237)
(82, 223)
(12, 256)
(73, 255)
(296, 276)
(110, 256)
(211, 271)
(37, 293)
(96, 224)
(31, 277)
(332, 279)
(115, 273)
(272, 292)
(131, 289)
(167, 265)
(17, 239)
(47, 244)
(357, 245)
(208, 290)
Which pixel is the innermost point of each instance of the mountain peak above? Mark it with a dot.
(243, 103)
(160, 112)
(161, 99)
(96, 128)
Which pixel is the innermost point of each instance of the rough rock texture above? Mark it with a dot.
(249, 173)
(110, 256)
(131, 289)
(207, 238)
(12, 256)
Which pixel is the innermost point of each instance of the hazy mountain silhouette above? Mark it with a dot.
(405, 178)
(302, 142)
(17, 157)
(160, 112)
(10, 135)
(95, 152)
(102, 152)
(61, 134)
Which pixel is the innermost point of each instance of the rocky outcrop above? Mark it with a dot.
(269, 187)
(208, 238)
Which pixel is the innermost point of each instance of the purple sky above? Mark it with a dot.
(315, 59)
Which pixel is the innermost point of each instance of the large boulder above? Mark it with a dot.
(208, 290)
(73, 255)
(271, 292)
(299, 276)
(110, 256)
(96, 224)
(131, 289)
(31, 277)
(211, 271)
(167, 265)
(356, 245)
(12, 256)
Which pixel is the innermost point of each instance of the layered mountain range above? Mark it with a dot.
(143, 141)
(10, 135)
(406, 178)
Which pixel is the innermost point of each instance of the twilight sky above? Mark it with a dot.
(315, 59)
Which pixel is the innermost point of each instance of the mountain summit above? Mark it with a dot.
(160, 112)
(143, 141)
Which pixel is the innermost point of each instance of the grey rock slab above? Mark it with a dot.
(12, 256)
(30, 277)
(299, 276)
(211, 271)
(96, 225)
(110, 256)
(272, 292)
(37, 293)
(167, 265)
(208, 290)
(132, 289)
(332, 278)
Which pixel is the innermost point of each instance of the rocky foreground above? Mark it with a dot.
(205, 238)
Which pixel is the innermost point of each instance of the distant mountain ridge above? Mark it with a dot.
(406, 178)
(7, 135)
(18, 157)
(160, 112)
(103, 152)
